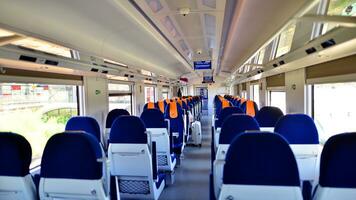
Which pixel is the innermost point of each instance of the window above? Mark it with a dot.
(36, 111)
(285, 40)
(339, 7)
(333, 117)
(256, 94)
(278, 99)
(165, 92)
(40, 45)
(149, 94)
(120, 97)
(244, 94)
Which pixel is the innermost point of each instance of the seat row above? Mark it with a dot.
(262, 165)
(140, 159)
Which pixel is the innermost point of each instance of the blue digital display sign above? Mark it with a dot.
(201, 65)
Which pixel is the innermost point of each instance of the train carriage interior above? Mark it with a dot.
(178, 99)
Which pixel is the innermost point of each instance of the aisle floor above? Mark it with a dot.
(192, 176)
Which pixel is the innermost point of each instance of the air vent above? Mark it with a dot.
(310, 50)
(328, 43)
(275, 65)
(51, 62)
(132, 76)
(94, 70)
(126, 75)
(281, 62)
(28, 58)
(105, 71)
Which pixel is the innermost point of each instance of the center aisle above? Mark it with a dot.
(192, 176)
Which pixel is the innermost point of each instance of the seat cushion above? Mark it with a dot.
(161, 177)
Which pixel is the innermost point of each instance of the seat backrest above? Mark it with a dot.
(297, 129)
(249, 107)
(268, 116)
(260, 165)
(236, 124)
(338, 162)
(113, 114)
(18, 153)
(226, 112)
(66, 153)
(15, 179)
(174, 113)
(62, 172)
(85, 124)
(128, 130)
(153, 118)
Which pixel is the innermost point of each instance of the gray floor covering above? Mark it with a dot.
(192, 176)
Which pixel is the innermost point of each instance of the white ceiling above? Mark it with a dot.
(107, 28)
(116, 30)
(254, 23)
(198, 31)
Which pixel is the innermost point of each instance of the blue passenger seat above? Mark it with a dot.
(158, 127)
(268, 116)
(15, 179)
(133, 160)
(84, 124)
(233, 126)
(302, 135)
(260, 165)
(337, 178)
(73, 167)
(174, 114)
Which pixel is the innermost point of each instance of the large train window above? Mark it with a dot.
(36, 111)
(150, 94)
(277, 98)
(334, 108)
(120, 96)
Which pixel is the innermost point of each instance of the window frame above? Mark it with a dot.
(118, 93)
(47, 81)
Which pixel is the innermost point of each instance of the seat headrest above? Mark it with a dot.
(113, 114)
(72, 156)
(149, 105)
(268, 116)
(174, 111)
(338, 162)
(260, 158)
(16, 153)
(236, 124)
(153, 118)
(227, 112)
(249, 107)
(128, 130)
(85, 124)
(297, 129)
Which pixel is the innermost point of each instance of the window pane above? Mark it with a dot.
(120, 102)
(165, 95)
(339, 7)
(333, 117)
(342, 7)
(256, 94)
(285, 40)
(278, 99)
(43, 46)
(149, 94)
(36, 111)
(119, 87)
